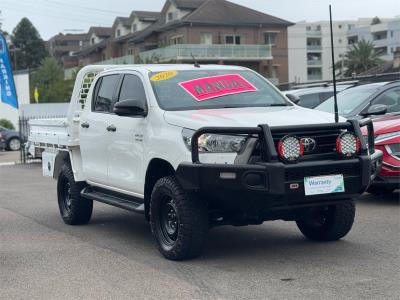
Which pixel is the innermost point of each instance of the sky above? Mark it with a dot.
(51, 17)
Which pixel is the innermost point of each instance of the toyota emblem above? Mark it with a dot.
(309, 144)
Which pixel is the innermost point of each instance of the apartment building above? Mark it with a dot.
(212, 31)
(63, 47)
(383, 33)
(310, 46)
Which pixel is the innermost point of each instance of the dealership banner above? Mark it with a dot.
(8, 94)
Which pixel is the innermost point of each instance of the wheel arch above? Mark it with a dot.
(157, 168)
(62, 157)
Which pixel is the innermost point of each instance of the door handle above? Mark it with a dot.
(85, 125)
(111, 128)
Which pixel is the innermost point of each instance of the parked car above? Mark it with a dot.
(387, 139)
(313, 96)
(368, 99)
(193, 147)
(9, 139)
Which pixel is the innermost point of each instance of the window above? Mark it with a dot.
(391, 33)
(308, 28)
(132, 88)
(270, 38)
(340, 26)
(92, 41)
(391, 98)
(172, 16)
(206, 38)
(176, 40)
(104, 91)
(309, 101)
(134, 27)
(233, 39)
(118, 32)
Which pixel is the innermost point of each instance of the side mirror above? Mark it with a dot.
(295, 99)
(130, 107)
(376, 109)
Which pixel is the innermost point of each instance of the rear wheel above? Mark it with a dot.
(179, 222)
(328, 224)
(74, 209)
(14, 144)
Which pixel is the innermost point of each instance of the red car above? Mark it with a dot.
(387, 139)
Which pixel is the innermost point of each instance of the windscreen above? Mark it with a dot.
(206, 89)
(348, 100)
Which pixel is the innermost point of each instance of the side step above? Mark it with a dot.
(113, 200)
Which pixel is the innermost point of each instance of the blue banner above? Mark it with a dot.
(8, 94)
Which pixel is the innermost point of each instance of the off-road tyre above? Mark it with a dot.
(179, 221)
(74, 209)
(328, 224)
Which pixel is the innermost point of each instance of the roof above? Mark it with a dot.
(100, 31)
(228, 13)
(213, 12)
(188, 4)
(125, 21)
(146, 15)
(69, 37)
(91, 48)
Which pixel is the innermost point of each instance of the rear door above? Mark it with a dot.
(94, 130)
(125, 149)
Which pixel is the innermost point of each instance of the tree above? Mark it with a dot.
(7, 124)
(361, 57)
(49, 80)
(30, 48)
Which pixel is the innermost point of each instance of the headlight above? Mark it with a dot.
(386, 136)
(215, 143)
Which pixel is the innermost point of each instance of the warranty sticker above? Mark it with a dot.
(163, 75)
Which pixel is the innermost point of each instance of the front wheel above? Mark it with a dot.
(179, 221)
(328, 224)
(73, 208)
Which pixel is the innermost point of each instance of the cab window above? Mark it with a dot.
(309, 100)
(132, 88)
(104, 90)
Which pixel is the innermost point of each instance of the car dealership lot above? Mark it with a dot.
(114, 255)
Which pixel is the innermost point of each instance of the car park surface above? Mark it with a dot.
(114, 256)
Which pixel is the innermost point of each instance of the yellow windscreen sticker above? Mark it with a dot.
(163, 75)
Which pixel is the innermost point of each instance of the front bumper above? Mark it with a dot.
(272, 184)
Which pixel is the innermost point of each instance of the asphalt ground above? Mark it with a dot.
(114, 257)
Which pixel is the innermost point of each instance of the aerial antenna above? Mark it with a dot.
(333, 69)
(196, 64)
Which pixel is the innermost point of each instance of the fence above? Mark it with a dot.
(24, 128)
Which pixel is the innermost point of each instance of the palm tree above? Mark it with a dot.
(361, 57)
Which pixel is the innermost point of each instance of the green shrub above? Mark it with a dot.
(7, 124)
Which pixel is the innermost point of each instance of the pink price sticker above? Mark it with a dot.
(206, 88)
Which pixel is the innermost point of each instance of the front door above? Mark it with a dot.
(94, 136)
(125, 150)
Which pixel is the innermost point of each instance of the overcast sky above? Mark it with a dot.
(53, 16)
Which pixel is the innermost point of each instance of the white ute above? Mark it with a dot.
(192, 147)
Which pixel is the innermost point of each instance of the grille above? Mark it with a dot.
(325, 140)
(299, 174)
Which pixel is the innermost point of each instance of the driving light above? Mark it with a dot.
(348, 144)
(215, 143)
(290, 148)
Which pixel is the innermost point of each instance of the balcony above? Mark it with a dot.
(314, 62)
(184, 52)
(313, 33)
(122, 60)
(314, 77)
(314, 48)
